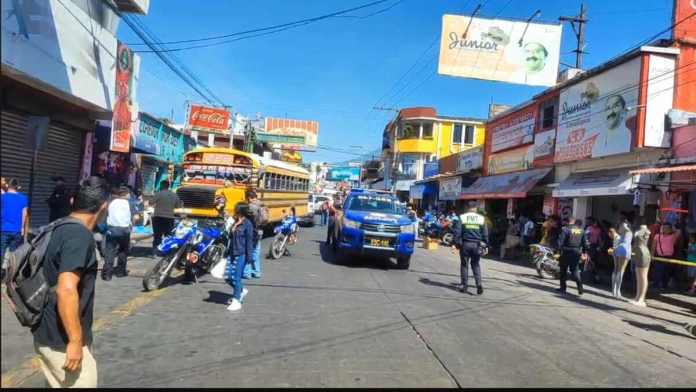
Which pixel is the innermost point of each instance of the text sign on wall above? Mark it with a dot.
(513, 130)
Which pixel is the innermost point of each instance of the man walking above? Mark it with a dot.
(165, 202)
(573, 244)
(63, 337)
(14, 219)
(119, 222)
(59, 201)
(471, 238)
(259, 216)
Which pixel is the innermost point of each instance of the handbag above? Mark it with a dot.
(218, 270)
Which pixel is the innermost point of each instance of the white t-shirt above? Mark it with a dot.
(528, 227)
(119, 213)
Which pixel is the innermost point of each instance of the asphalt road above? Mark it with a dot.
(311, 322)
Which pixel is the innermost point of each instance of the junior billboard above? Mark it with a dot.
(291, 134)
(597, 117)
(502, 50)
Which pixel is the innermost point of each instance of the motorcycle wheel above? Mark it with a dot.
(448, 239)
(278, 246)
(155, 277)
(543, 272)
(216, 253)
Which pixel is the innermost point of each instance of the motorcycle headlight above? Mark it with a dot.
(408, 229)
(351, 223)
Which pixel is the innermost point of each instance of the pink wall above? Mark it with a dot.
(684, 142)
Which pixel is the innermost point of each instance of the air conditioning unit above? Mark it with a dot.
(568, 74)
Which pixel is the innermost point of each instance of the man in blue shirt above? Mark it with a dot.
(14, 218)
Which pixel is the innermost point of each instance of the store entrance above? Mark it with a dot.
(608, 209)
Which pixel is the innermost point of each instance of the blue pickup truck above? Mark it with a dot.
(375, 223)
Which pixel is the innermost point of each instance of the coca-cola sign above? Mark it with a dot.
(208, 119)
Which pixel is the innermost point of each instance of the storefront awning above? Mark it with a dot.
(504, 186)
(671, 169)
(416, 191)
(599, 183)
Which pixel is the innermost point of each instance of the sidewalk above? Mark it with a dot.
(660, 324)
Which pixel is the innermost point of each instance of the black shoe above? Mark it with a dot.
(479, 290)
(560, 291)
(106, 278)
(122, 274)
(463, 289)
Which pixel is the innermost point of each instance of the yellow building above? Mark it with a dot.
(418, 137)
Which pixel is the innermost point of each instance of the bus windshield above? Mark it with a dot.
(217, 174)
(385, 205)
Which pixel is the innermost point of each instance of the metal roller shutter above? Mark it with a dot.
(61, 157)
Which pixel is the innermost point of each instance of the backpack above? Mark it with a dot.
(27, 289)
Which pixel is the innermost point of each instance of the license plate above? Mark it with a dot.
(379, 242)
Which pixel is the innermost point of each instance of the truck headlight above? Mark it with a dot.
(351, 223)
(408, 229)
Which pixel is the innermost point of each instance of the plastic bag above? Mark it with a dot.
(218, 270)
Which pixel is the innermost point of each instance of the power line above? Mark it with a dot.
(268, 30)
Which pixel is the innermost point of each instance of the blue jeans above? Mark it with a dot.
(254, 267)
(324, 218)
(233, 275)
(8, 241)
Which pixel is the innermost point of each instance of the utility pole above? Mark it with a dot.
(579, 31)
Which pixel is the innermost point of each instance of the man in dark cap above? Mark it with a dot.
(59, 201)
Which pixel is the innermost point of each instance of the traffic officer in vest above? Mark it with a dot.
(471, 238)
(573, 245)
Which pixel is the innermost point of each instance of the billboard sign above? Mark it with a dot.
(543, 143)
(513, 130)
(347, 173)
(470, 160)
(598, 116)
(450, 188)
(122, 120)
(510, 161)
(502, 50)
(209, 119)
(292, 134)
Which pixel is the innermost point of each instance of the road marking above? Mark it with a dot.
(17, 376)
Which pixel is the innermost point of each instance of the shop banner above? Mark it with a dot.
(416, 191)
(470, 160)
(544, 143)
(600, 183)
(344, 174)
(122, 120)
(450, 188)
(209, 119)
(510, 161)
(514, 130)
(494, 49)
(506, 186)
(294, 134)
(145, 134)
(598, 116)
(430, 169)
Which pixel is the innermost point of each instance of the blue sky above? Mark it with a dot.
(335, 70)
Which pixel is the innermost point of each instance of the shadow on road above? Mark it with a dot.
(217, 297)
(451, 286)
(654, 328)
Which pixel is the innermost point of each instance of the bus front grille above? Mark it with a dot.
(195, 197)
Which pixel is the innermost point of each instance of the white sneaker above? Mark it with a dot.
(235, 306)
(244, 293)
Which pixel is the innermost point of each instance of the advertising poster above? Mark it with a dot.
(209, 119)
(597, 117)
(123, 107)
(502, 50)
(291, 134)
(470, 160)
(450, 188)
(513, 130)
(544, 143)
(510, 161)
(344, 174)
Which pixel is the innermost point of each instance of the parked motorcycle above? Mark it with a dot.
(195, 247)
(285, 234)
(441, 229)
(545, 261)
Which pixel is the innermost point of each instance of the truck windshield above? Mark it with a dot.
(375, 204)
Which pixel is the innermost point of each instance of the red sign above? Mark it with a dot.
(208, 119)
(684, 20)
(123, 111)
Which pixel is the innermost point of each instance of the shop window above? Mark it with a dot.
(469, 134)
(548, 115)
(427, 130)
(457, 134)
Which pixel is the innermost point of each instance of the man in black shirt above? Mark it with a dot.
(165, 202)
(64, 335)
(573, 246)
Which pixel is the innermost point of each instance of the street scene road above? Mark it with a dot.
(313, 322)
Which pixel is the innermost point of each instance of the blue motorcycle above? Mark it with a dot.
(285, 234)
(194, 247)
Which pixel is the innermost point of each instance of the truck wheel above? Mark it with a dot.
(403, 262)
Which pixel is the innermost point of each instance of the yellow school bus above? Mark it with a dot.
(210, 172)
